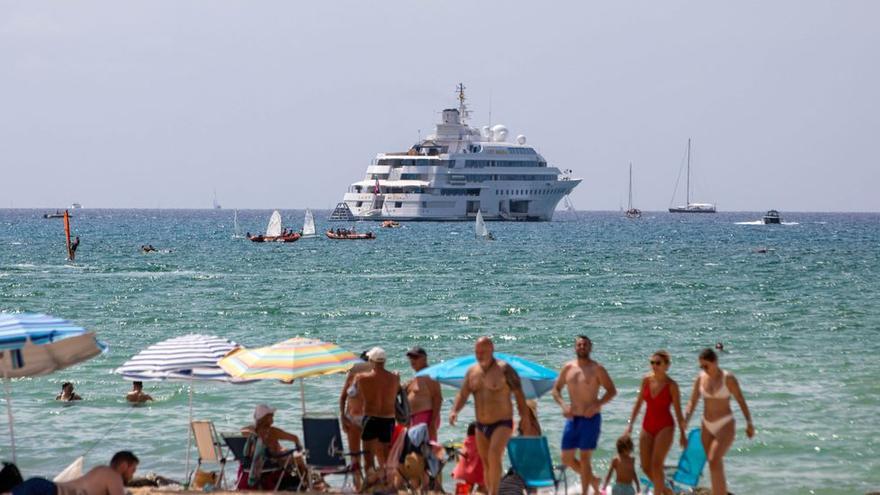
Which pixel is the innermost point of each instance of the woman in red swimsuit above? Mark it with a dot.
(659, 392)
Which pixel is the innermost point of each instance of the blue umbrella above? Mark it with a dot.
(536, 379)
(37, 344)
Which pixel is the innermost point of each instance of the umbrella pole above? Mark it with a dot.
(189, 434)
(302, 396)
(9, 413)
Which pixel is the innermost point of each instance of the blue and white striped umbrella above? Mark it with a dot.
(34, 344)
(191, 357)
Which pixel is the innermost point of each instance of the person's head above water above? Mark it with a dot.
(583, 346)
(66, 387)
(719, 346)
(137, 386)
(484, 350)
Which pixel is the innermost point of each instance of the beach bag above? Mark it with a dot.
(512, 484)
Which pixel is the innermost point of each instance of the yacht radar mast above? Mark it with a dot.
(462, 106)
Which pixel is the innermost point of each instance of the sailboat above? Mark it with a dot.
(274, 231)
(309, 225)
(691, 207)
(630, 211)
(480, 229)
(214, 203)
(236, 230)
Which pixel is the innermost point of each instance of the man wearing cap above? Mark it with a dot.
(424, 394)
(379, 388)
(271, 437)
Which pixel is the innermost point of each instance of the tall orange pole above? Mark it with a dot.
(67, 233)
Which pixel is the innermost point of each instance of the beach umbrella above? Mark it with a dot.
(294, 358)
(189, 358)
(536, 379)
(33, 344)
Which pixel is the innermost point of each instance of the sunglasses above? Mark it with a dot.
(656, 362)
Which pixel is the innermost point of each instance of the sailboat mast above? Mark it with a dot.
(630, 203)
(688, 193)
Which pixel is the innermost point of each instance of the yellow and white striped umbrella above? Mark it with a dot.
(294, 358)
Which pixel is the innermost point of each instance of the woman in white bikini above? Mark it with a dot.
(718, 431)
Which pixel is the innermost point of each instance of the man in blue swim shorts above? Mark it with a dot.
(582, 377)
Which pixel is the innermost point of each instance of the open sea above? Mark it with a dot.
(799, 322)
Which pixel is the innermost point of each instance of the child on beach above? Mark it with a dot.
(470, 468)
(625, 466)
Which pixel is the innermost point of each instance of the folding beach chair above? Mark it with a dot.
(237, 443)
(686, 475)
(323, 447)
(530, 459)
(209, 447)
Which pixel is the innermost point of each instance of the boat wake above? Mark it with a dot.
(761, 222)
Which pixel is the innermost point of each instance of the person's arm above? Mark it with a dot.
(515, 384)
(692, 402)
(436, 406)
(115, 486)
(733, 385)
(636, 408)
(610, 392)
(679, 417)
(610, 472)
(283, 435)
(557, 392)
(343, 398)
(461, 398)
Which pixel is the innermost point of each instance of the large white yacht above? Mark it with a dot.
(456, 172)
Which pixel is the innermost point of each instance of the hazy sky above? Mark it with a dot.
(282, 104)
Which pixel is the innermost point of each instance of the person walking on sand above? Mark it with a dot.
(424, 394)
(137, 395)
(351, 410)
(492, 383)
(716, 386)
(659, 392)
(379, 388)
(582, 377)
(101, 480)
(625, 466)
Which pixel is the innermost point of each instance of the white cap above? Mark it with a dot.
(263, 410)
(376, 355)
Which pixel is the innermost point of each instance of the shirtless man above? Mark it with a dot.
(351, 410)
(379, 388)
(67, 394)
(492, 382)
(424, 395)
(137, 395)
(101, 480)
(582, 377)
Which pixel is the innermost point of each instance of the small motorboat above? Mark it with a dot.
(772, 217)
(274, 232)
(390, 224)
(349, 235)
(57, 214)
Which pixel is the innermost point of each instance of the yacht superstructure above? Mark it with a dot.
(458, 171)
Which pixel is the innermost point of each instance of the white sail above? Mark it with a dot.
(274, 227)
(236, 230)
(309, 224)
(480, 226)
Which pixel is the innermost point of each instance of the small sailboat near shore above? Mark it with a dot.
(308, 231)
(630, 211)
(480, 229)
(274, 231)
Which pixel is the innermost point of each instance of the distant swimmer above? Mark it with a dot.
(719, 347)
(67, 394)
(761, 250)
(137, 394)
(148, 248)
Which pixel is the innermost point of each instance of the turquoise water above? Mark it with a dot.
(800, 322)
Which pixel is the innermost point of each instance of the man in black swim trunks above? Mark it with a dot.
(378, 388)
(492, 383)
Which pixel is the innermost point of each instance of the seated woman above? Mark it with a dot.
(264, 449)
